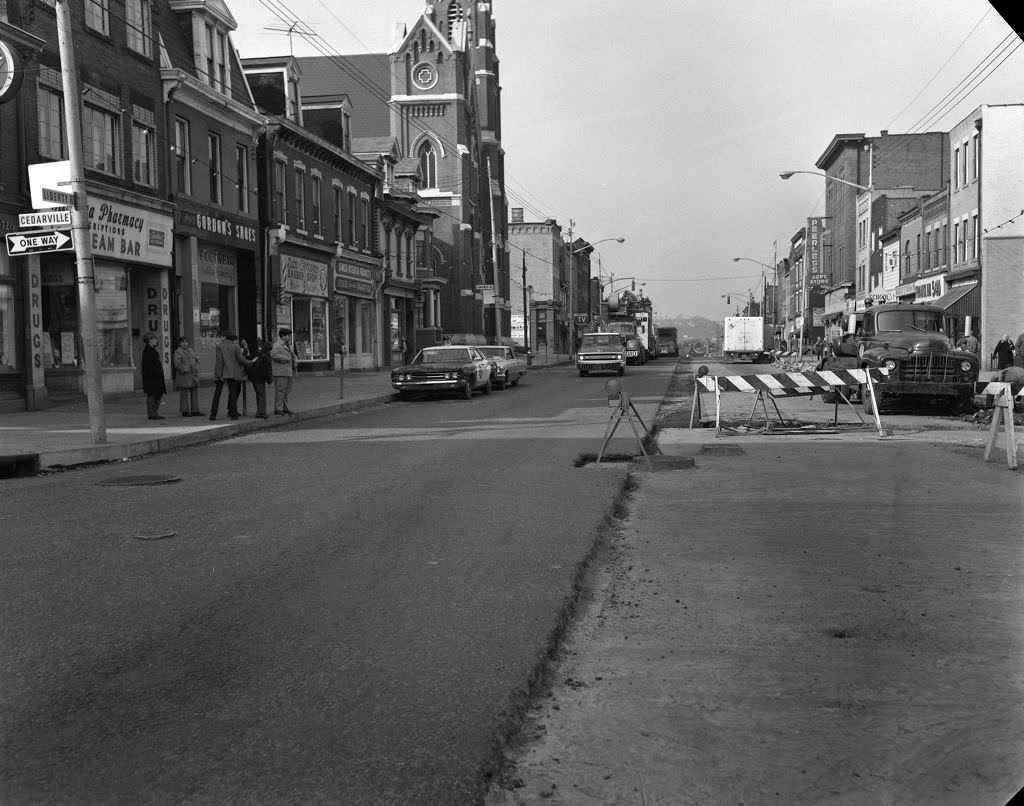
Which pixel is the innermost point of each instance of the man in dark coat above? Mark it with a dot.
(1003, 353)
(153, 383)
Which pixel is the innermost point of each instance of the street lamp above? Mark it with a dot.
(787, 174)
(572, 280)
(764, 280)
(803, 275)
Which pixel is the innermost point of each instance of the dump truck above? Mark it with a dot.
(915, 343)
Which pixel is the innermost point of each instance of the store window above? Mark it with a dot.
(218, 277)
(63, 346)
(112, 316)
(309, 326)
(8, 350)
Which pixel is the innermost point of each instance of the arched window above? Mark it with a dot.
(428, 164)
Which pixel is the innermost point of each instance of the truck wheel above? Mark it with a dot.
(467, 391)
(583, 373)
(504, 382)
(487, 387)
(515, 382)
(622, 371)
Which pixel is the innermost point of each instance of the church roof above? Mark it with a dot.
(365, 78)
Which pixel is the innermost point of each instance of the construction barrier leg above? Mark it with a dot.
(1003, 414)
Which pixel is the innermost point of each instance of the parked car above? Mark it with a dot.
(456, 368)
(508, 367)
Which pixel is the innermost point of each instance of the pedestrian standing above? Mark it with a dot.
(186, 378)
(971, 343)
(1003, 352)
(230, 367)
(285, 364)
(260, 374)
(153, 383)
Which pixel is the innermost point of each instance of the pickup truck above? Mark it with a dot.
(601, 352)
(509, 368)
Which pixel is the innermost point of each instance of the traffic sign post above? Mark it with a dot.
(27, 243)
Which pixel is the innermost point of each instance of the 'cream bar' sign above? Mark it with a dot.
(129, 233)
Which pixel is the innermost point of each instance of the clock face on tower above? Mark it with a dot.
(424, 76)
(10, 74)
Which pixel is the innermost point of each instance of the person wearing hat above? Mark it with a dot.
(285, 364)
(153, 383)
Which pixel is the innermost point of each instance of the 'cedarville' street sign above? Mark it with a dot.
(45, 218)
(24, 243)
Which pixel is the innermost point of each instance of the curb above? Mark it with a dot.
(123, 451)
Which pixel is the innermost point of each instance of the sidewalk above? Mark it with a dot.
(58, 437)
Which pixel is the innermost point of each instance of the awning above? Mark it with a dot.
(961, 300)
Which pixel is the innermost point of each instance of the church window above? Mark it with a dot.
(454, 15)
(428, 164)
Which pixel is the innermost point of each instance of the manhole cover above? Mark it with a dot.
(139, 481)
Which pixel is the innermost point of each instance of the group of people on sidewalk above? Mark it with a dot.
(234, 363)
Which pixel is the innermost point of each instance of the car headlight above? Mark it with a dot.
(618, 357)
(890, 364)
(966, 366)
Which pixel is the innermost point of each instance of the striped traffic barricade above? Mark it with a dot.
(769, 386)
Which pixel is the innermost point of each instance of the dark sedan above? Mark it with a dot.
(450, 369)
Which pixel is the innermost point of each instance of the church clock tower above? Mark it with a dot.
(446, 113)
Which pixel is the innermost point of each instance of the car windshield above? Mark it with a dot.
(493, 352)
(609, 340)
(927, 321)
(435, 355)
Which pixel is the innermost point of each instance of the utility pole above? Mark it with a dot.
(85, 272)
(494, 257)
(572, 291)
(526, 310)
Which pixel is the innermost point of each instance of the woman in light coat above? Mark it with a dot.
(186, 378)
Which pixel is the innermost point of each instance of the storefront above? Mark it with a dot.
(217, 287)
(131, 251)
(302, 305)
(356, 324)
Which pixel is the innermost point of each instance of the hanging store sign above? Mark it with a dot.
(817, 278)
(302, 276)
(353, 280)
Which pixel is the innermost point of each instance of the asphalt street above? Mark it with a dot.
(349, 610)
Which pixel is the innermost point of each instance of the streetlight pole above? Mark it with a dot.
(572, 280)
(764, 279)
(788, 174)
(804, 297)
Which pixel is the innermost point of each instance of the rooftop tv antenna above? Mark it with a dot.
(291, 27)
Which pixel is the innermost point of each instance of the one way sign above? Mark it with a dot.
(25, 243)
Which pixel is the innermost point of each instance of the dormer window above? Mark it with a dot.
(211, 24)
(216, 58)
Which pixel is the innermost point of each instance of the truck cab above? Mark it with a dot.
(915, 343)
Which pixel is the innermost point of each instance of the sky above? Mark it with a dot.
(668, 122)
